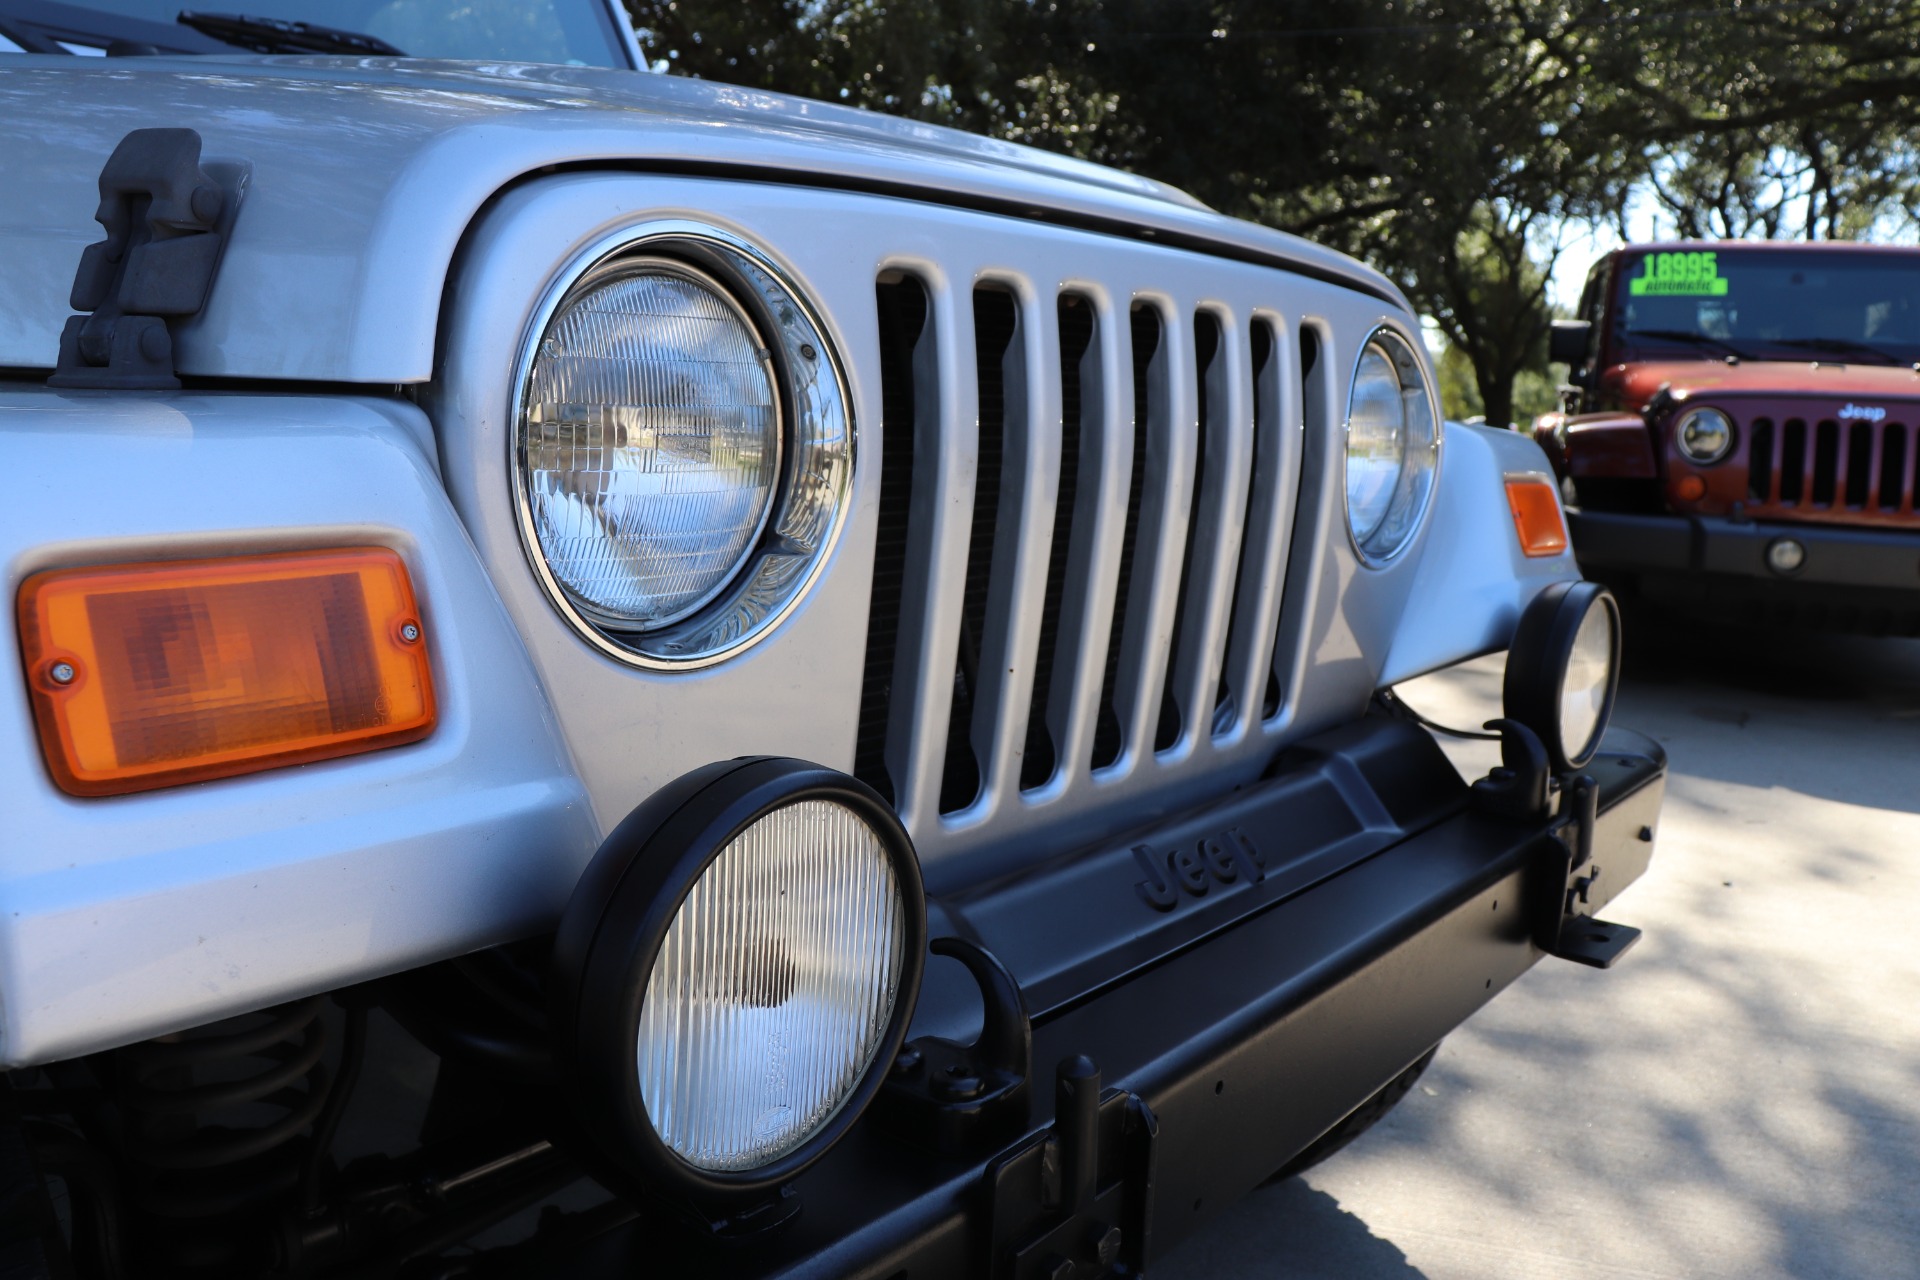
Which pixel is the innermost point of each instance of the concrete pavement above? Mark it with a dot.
(1740, 1098)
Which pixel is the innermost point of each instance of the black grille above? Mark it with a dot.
(995, 318)
(1076, 335)
(1206, 346)
(1145, 334)
(902, 309)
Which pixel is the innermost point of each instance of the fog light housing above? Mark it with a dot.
(734, 974)
(1563, 670)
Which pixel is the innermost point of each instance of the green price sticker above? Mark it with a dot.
(1679, 275)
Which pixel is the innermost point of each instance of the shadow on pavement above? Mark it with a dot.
(1290, 1230)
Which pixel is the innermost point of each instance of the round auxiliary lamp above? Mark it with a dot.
(733, 978)
(1563, 670)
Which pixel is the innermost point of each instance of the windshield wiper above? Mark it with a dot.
(1689, 336)
(1840, 345)
(273, 35)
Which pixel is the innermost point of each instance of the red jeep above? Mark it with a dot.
(1740, 437)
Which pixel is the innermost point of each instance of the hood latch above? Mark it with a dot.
(166, 219)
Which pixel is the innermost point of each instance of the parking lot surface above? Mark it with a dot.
(1740, 1097)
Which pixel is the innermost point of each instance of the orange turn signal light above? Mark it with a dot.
(152, 675)
(1536, 514)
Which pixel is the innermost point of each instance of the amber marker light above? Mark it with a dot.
(1536, 515)
(151, 675)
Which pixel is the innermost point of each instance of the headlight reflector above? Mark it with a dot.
(1563, 670)
(1376, 441)
(1393, 447)
(1705, 436)
(773, 988)
(734, 976)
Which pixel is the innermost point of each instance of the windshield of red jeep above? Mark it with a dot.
(579, 32)
(1786, 304)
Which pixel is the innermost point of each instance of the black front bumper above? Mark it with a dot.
(1873, 559)
(1327, 928)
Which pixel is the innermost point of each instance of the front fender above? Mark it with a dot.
(1474, 580)
(130, 916)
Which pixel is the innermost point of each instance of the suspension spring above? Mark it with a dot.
(212, 1120)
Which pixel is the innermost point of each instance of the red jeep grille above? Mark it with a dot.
(1831, 470)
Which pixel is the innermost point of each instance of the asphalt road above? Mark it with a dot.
(1740, 1097)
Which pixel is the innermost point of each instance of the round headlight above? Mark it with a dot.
(652, 442)
(1704, 435)
(1393, 447)
(735, 972)
(682, 446)
(1563, 670)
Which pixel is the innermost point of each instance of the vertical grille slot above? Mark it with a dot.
(995, 321)
(1760, 466)
(1859, 463)
(1269, 422)
(1259, 355)
(1188, 615)
(902, 310)
(1793, 462)
(1893, 466)
(1144, 326)
(1826, 460)
(1311, 408)
(1076, 322)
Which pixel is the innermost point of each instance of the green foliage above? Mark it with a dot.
(1446, 141)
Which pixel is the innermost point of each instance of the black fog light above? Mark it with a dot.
(734, 974)
(1564, 669)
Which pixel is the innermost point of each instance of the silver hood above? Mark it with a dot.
(366, 172)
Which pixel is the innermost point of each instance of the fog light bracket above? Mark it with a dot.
(1076, 1200)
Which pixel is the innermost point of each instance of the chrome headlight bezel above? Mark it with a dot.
(816, 443)
(1700, 414)
(1418, 477)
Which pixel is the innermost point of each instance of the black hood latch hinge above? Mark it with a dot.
(167, 219)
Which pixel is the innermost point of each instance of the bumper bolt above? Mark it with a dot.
(907, 1063)
(1105, 1243)
(957, 1084)
(61, 672)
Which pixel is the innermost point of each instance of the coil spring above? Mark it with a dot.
(213, 1119)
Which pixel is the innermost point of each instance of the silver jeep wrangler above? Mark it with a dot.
(615, 674)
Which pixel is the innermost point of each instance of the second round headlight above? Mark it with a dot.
(1393, 447)
(1563, 670)
(734, 975)
(775, 983)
